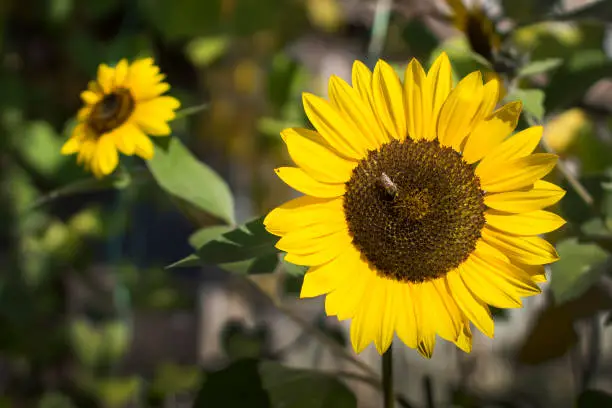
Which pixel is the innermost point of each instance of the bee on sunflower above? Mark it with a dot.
(123, 107)
(420, 209)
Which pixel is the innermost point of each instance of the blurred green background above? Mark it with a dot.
(91, 317)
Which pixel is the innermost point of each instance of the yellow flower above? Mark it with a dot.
(477, 27)
(419, 209)
(122, 107)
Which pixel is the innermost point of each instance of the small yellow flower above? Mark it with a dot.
(122, 106)
(420, 208)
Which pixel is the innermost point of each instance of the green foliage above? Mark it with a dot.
(579, 266)
(203, 188)
(271, 385)
(533, 101)
(539, 67)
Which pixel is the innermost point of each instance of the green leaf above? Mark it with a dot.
(572, 80)
(533, 101)
(539, 67)
(248, 241)
(578, 268)
(248, 249)
(179, 173)
(238, 385)
(117, 392)
(189, 261)
(53, 400)
(594, 399)
(86, 341)
(293, 269)
(171, 379)
(255, 384)
(204, 235)
(203, 51)
(291, 388)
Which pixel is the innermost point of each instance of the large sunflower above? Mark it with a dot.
(419, 209)
(122, 107)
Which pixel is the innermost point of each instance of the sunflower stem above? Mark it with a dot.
(387, 378)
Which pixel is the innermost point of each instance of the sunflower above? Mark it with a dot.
(478, 28)
(420, 209)
(122, 106)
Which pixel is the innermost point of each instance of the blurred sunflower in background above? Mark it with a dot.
(122, 107)
(478, 28)
(420, 209)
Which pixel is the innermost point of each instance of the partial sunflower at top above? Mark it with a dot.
(478, 28)
(420, 208)
(122, 107)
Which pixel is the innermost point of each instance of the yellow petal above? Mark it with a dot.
(345, 300)
(489, 133)
(348, 101)
(490, 251)
(365, 324)
(537, 272)
(460, 109)
(329, 248)
(144, 80)
(418, 103)
(464, 342)
(121, 73)
(316, 157)
(386, 329)
(123, 138)
(406, 325)
(90, 97)
(528, 250)
(389, 100)
(106, 76)
(106, 156)
(362, 83)
(338, 132)
(425, 320)
(309, 239)
(302, 182)
(516, 174)
(517, 146)
(448, 316)
(323, 279)
(153, 116)
(473, 308)
(541, 195)
(301, 212)
(439, 85)
(531, 223)
(490, 282)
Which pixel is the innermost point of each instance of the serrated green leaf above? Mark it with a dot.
(179, 173)
(533, 101)
(246, 242)
(248, 249)
(579, 267)
(539, 67)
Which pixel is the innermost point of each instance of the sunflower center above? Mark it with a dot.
(111, 111)
(414, 210)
